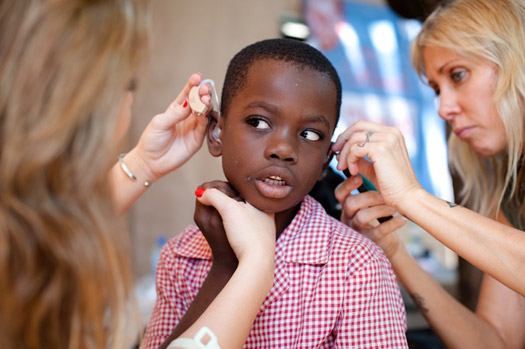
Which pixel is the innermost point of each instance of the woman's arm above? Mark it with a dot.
(251, 235)
(230, 316)
(499, 320)
(456, 325)
(495, 248)
(491, 246)
(170, 139)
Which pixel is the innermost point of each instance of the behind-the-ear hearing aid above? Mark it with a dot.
(195, 100)
(200, 108)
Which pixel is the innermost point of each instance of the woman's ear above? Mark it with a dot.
(213, 134)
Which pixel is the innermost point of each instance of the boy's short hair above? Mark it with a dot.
(287, 50)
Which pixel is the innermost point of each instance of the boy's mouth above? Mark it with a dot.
(273, 186)
(274, 180)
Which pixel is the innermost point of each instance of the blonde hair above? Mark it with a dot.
(493, 31)
(64, 255)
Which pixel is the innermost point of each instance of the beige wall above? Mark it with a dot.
(189, 36)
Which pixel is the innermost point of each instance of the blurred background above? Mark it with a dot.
(368, 41)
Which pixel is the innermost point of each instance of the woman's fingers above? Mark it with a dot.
(379, 153)
(343, 190)
(218, 199)
(352, 144)
(193, 80)
(250, 232)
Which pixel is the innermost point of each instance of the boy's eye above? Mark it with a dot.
(259, 123)
(311, 135)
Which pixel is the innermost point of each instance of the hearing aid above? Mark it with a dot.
(197, 105)
(200, 108)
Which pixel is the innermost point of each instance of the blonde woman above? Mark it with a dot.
(471, 53)
(66, 70)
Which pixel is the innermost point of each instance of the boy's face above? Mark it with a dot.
(276, 135)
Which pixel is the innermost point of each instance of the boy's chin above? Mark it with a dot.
(267, 204)
(272, 206)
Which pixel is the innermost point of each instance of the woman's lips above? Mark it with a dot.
(273, 187)
(462, 133)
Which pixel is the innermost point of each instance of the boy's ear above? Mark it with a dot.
(329, 155)
(213, 134)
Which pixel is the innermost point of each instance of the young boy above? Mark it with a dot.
(333, 287)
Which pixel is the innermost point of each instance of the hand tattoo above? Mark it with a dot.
(368, 135)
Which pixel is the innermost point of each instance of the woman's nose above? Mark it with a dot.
(447, 105)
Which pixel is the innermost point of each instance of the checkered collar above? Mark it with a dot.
(306, 240)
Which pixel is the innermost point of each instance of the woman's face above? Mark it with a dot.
(465, 88)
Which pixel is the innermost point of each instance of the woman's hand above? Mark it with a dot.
(227, 303)
(250, 232)
(361, 211)
(210, 223)
(171, 138)
(231, 295)
(390, 168)
(168, 141)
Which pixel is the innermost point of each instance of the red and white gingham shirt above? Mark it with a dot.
(333, 288)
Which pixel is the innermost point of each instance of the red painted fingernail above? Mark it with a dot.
(199, 192)
(185, 104)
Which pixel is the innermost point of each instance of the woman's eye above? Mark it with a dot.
(259, 124)
(434, 87)
(311, 135)
(457, 75)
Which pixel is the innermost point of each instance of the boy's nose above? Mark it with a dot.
(281, 148)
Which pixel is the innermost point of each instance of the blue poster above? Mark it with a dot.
(369, 45)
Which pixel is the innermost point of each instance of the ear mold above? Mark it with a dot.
(216, 133)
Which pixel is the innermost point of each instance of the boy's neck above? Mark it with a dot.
(284, 218)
